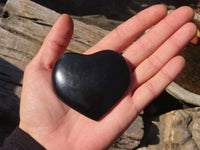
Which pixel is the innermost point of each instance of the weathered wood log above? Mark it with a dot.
(23, 27)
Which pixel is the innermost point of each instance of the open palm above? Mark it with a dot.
(56, 126)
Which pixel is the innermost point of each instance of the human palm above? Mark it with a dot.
(153, 61)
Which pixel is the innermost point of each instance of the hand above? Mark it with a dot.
(56, 126)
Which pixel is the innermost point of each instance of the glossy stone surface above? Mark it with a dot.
(91, 84)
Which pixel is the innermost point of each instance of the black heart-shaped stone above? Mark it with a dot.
(91, 84)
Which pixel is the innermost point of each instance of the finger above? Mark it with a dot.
(148, 43)
(55, 42)
(153, 87)
(126, 33)
(169, 49)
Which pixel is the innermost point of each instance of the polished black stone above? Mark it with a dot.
(91, 84)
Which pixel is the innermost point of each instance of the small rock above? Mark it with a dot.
(131, 137)
(91, 84)
(176, 130)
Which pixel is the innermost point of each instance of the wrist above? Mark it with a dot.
(32, 133)
(19, 139)
(39, 135)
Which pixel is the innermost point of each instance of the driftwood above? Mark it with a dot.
(23, 27)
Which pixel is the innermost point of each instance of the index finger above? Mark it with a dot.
(122, 36)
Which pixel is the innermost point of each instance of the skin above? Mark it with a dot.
(56, 126)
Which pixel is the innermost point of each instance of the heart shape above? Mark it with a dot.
(91, 84)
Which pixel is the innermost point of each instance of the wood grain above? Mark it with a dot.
(23, 27)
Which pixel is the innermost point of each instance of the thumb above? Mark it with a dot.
(55, 42)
